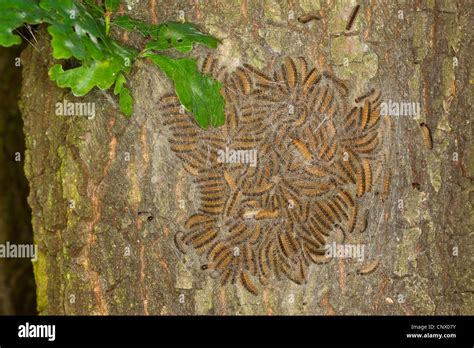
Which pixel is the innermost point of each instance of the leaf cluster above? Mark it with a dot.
(80, 31)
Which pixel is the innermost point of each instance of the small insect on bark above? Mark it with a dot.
(371, 267)
(426, 135)
(352, 17)
(306, 18)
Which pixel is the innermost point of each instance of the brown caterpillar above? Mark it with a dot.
(364, 96)
(302, 149)
(263, 267)
(290, 73)
(364, 221)
(364, 178)
(249, 259)
(312, 79)
(342, 212)
(310, 237)
(352, 17)
(221, 262)
(226, 276)
(178, 241)
(326, 102)
(238, 234)
(351, 119)
(303, 69)
(345, 198)
(323, 210)
(243, 81)
(369, 268)
(309, 188)
(365, 115)
(329, 144)
(280, 83)
(247, 283)
(230, 180)
(181, 147)
(315, 157)
(386, 184)
(426, 136)
(259, 190)
(256, 234)
(343, 173)
(306, 18)
(211, 209)
(231, 204)
(202, 241)
(287, 244)
(367, 143)
(351, 222)
(266, 214)
(198, 220)
(334, 210)
(262, 79)
(340, 84)
(373, 118)
(208, 65)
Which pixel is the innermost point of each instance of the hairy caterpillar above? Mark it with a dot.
(364, 96)
(308, 18)
(310, 81)
(369, 268)
(340, 84)
(249, 259)
(262, 79)
(290, 73)
(302, 149)
(247, 283)
(243, 81)
(386, 184)
(364, 178)
(317, 157)
(209, 65)
(352, 17)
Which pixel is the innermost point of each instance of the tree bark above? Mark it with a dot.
(90, 178)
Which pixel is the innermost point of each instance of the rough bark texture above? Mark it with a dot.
(17, 288)
(89, 178)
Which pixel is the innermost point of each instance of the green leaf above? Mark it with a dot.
(84, 78)
(94, 9)
(129, 24)
(119, 84)
(180, 36)
(112, 5)
(15, 13)
(125, 97)
(79, 31)
(199, 93)
(126, 102)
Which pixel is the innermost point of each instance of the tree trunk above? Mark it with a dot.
(90, 178)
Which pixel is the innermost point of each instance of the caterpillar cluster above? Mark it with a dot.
(314, 163)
